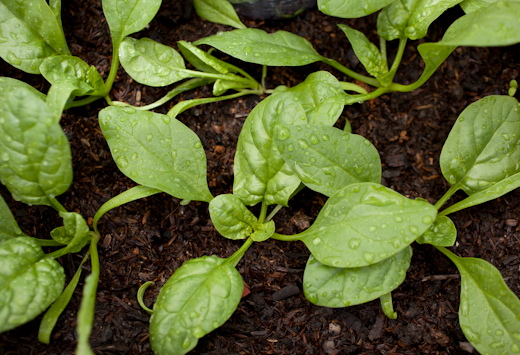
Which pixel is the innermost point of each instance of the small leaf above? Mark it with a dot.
(221, 86)
(256, 46)
(489, 313)
(338, 287)
(63, 93)
(8, 227)
(367, 53)
(75, 227)
(327, 159)
(156, 151)
(28, 282)
(35, 159)
(230, 217)
(151, 63)
(365, 223)
(8, 85)
(218, 11)
(67, 68)
(201, 60)
(199, 297)
(351, 8)
(263, 231)
(86, 313)
(481, 148)
(441, 233)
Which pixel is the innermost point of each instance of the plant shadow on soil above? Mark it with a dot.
(148, 239)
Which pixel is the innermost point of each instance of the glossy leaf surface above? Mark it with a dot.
(28, 283)
(367, 53)
(68, 68)
(218, 11)
(338, 287)
(473, 5)
(61, 94)
(364, 224)
(8, 227)
(441, 233)
(199, 297)
(77, 229)
(263, 231)
(231, 217)
(8, 85)
(201, 60)
(151, 63)
(327, 159)
(35, 159)
(489, 313)
(157, 151)
(481, 148)
(351, 8)
(256, 46)
(221, 86)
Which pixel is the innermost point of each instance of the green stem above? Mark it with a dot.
(446, 196)
(286, 238)
(264, 75)
(113, 69)
(48, 243)
(398, 58)
(273, 213)
(352, 74)
(237, 256)
(199, 74)
(263, 212)
(85, 101)
(352, 87)
(382, 48)
(364, 97)
(57, 206)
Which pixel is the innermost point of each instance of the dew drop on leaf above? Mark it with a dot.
(313, 139)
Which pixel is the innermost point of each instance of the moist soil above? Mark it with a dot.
(147, 240)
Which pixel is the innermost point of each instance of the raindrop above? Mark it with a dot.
(149, 137)
(283, 134)
(313, 139)
(303, 144)
(427, 220)
(354, 243)
(369, 257)
(316, 241)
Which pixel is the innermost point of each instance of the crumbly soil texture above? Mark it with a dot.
(147, 240)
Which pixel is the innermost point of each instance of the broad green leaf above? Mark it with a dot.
(125, 17)
(351, 8)
(35, 159)
(28, 282)
(338, 287)
(367, 53)
(38, 16)
(231, 217)
(67, 68)
(218, 11)
(365, 223)
(199, 297)
(489, 313)
(256, 46)
(8, 85)
(495, 191)
(20, 46)
(481, 148)
(473, 5)
(8, 227)
(157, 151)
(201, 60)
(151, 63)
(441, 233)
(263, 231)
(327, 159)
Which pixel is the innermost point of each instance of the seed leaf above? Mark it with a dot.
(481, 147)
(262, 231)
(489, 313)
(28, 283)
(365, 223)
(256, 46)
(327, 159)
(199, 297)
(441, 233)
(8, 227)
(35, 159)
(218, 11)
(157, 151)
(151, 63)
(351, 8)
(338, 287)
(230, 217)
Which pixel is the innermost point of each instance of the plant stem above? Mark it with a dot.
(57, 206)
(382, 48)
(273, 213)
(364, 97)
(85, 101)
(48, 243)
(352, 74)
(237, 256)
(264, 74)
(398, 57)
(113, 69)
(446, 196)
(199, 74)
(263, 212)
(286, 238)
(352, 87)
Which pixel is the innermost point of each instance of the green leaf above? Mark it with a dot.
(151, 63)
(157, 151)
(86, 315)
(481, 147)
(35, 159)
(20, 46)
(55, 6)
(367, 53)
(28, 282)
(61, 94)
(8, 227)
(256, 46)
(75, 227)
(68, 68)
(199, 297)
(410, 18)
(8, 85)
(365, 223)
(262, 231)
(495, 191)
(221, 86)
(441, 233)
(201, 60)
(473, 5)
(489, 313)
(351, 8)
(218, 11)
(38, 16)
(327, 159)
(125, 17)
(338, 287)
(231, 217)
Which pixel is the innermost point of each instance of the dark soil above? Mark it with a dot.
(148, 239)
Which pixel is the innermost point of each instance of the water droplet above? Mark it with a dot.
(186, 344)
(313, 160)
(396, 243)
(188, 162)
(414, 230)
(325, 137)
(283, 134)
(198, 145)
(354, 243)
(5, 156)
(398, 219)
(149, 137)
(369, 257)
(13, 59)
(484, 127)
(166, 119)
(121, 161)
(303, 144)
(134, 156)
(461, 119)
(506, 136)
(313, 139)
(316, 241)
(427, 220)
